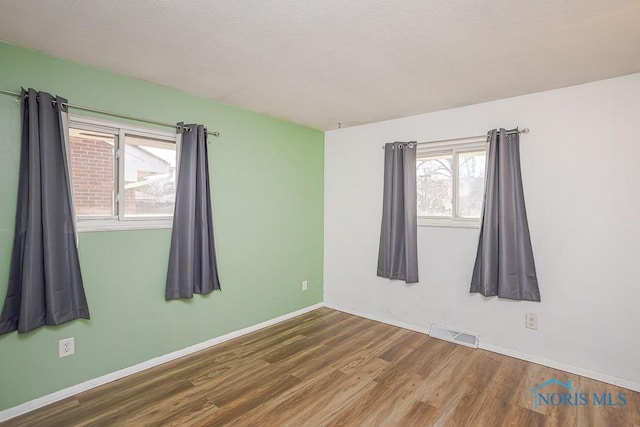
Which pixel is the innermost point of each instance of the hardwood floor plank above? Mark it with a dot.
(340, 350)
(532, 376)
(38, 417)
(493, 413)
(174, 409)
(288, 404)
(253, 398)
(517, 416)
(469, 407)
(355, 329)
(507, 379)
(104, 411)
(419, 414)
(330, 368)
(414, 359)
(217, 375)
(243, 382)
(482, 371)
(288, 350)
(441, 385)
(189, 416)
(439, 352)
(454, 396)
(411, 341)
(358, 411)
(367, 353)
(633, 406)
(323, 407)
(395, 407)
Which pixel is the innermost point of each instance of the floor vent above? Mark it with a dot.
(451, 335)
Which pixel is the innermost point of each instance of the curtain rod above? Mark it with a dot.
(109, 113)
(511, 132)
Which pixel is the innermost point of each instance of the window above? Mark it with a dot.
(450, 182)
(123, 176)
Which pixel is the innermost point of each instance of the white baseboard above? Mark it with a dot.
(95, 382)
(380, 319)
(609, 379)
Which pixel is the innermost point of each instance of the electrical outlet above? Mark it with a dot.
(66, 347)
(305, 285)
(531, 321)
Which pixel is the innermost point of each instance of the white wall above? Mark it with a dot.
(581, 172)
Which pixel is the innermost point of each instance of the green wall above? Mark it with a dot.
(267, 190)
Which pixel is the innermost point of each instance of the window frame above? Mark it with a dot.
(119, 221)
(453, 147)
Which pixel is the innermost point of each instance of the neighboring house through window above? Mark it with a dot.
(123, 176)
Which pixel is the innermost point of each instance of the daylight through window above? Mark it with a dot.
(123, 176)
(450, 182)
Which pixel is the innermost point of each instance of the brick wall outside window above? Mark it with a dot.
(92, 168)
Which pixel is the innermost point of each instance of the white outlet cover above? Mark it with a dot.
(66, 347)
(531, 321)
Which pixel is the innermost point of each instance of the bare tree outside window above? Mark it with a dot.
(450, 184)
(471, 183)
(434, 185)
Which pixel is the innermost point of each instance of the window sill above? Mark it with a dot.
(114, 225)
(449, 223)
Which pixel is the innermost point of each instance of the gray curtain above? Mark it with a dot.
(45, 284)
(192, 258)
(398, 253)
(504, 263)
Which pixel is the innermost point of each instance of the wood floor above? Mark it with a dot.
(328, 368)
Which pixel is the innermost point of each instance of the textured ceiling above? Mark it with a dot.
(321, 62)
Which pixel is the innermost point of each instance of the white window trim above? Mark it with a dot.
(86, 224)
(425, 221)
(462, 145)
(119, 222)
